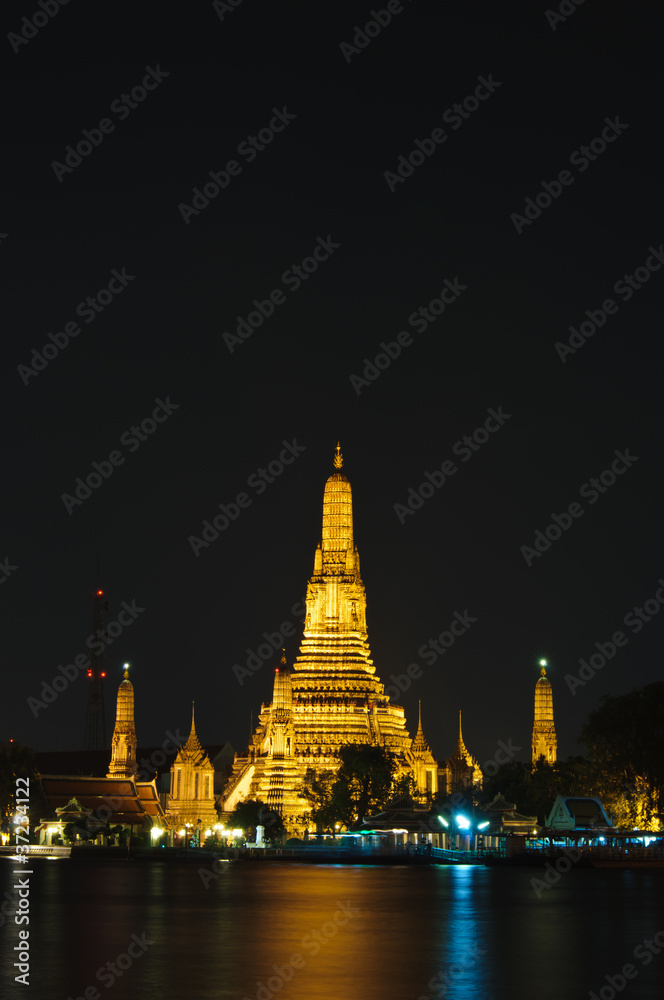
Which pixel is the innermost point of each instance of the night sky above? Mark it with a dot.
(332, 126)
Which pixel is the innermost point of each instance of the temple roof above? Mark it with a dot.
(461, 752)
(131, 801)
(420, 745)
(572, 812)
(192, 751)
(500, 804)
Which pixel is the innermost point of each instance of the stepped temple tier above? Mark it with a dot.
(332, 696)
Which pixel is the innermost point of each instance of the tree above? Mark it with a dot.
(365, 782)
(625, 738)
(252, 813)
(534, 790)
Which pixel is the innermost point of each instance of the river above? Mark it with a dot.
(319, 932)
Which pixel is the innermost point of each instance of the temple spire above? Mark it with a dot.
(461, 746)
(420, 744)
(337, 549)
(544, 742)
(123, 746)
(193, 746)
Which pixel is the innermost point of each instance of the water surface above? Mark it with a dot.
(305, 932)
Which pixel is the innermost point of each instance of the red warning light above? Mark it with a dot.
(103, 673)
(99, 593)
(89, 673)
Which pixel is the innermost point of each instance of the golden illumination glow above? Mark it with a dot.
(544, 742)
(191, 796)
(332, 696)
(123, 745)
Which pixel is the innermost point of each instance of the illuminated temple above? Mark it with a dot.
(332, 696)
(544, 742)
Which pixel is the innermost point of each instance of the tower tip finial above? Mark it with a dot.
(283, 655)
(338, 458)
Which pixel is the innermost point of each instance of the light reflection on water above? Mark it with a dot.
(370, 933)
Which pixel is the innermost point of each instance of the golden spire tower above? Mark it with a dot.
(423, 763)
(332, 697)
(545, 743)
(337, 697)
(123, 745)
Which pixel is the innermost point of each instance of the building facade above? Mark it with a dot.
(190, 802)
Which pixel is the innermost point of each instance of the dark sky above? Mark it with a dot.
(329, 176)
